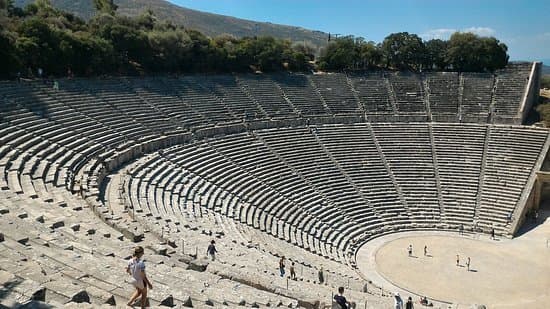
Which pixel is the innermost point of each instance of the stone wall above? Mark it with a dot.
(531, 95)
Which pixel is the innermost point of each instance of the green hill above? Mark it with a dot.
(207, 23)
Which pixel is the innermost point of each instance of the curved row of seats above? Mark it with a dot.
(328, 188)
(164, 104)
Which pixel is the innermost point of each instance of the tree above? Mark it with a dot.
(469, 52)
(9, 60)
(340, 54)
(105, 6)
(436, 50)
(403, 51)
(370, 55)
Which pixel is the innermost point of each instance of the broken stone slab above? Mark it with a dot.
(39, 294)
(167, 301)
(22, 215)
(75, 227)
(187, 302)
(80, 297)
(111, 301)
(40, 219)
(198, 265)
(34, 304)
(23, 240)
(160, 250)
(209, 302)
(255, 305)
(58, 224)
(172, 243)
(90, 231)
(242, 302)
(1, 237)
(4, 211)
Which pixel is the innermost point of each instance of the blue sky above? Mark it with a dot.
(523, 25)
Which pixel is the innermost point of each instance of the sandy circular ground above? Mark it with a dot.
(503, 274)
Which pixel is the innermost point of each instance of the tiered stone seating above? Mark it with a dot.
(268, 95)
(118, 94)
(373, 91)
(379, 181)
(200, 100)
(510, 87)
(336, 93)
(508, 167)
(158, 93)
(313, 191)
(408, 92)
(226, 88)
(477, 95)
(75, 254)
(298, 90)
(355, 150)
(410, 158)
(459, 153)
(442, 91)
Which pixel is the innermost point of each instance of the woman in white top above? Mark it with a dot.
(136, 269)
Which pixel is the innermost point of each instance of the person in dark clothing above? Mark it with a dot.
(409, 304)
(282, 266)
(342, 301)
(211, 251)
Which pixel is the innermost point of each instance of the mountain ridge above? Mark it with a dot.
(209, 24)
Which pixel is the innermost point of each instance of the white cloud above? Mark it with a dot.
(442, 33)
(481, 31)
(445, 33)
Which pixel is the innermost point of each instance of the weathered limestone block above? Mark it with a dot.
(57, 224)
(188, 302)
(39, 294)
(168, 301)
(80, 297)
(111, 301)
(198, 265)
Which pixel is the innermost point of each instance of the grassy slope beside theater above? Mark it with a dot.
(207, 23)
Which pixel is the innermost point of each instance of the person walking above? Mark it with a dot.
(397, 301)
(136, 269)
(468, 264)
(409, 304)
(321, 276)
(211, 250)
(493, 233)
(292, 272)
(410, 250)
(457, 260)
(282, 266)
(425, 250)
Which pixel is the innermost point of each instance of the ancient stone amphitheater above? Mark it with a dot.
(306, 166)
